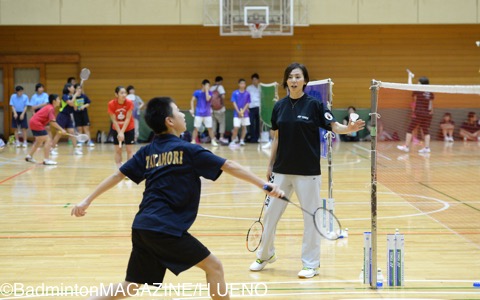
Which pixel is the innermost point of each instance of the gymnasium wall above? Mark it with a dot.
(191, 12)
(173, 60)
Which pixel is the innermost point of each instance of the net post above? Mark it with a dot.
(373, 195)
(329, 143)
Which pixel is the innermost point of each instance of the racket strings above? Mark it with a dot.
(254, 236)
(327, 224)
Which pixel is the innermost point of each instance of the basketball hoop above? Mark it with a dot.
(257, 29)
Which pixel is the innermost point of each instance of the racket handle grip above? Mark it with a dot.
(267, 188)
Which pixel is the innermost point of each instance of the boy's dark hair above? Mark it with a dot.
(70, 79)
(241, 79)
(158, 109)
(471, 114)
(52, 98)
(423, 80)
(129, 88)
(289, 70)
(76, 85)
(37, 86)
(218, 78)
(205, 81)
(18, 88)
(66, 87)
(255, 75)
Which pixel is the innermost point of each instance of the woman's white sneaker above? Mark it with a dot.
(307, 273)
(259, 264)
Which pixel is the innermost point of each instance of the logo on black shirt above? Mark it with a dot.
(328, 116)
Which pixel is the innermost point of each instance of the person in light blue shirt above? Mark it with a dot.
(39, 99)
(19, 102)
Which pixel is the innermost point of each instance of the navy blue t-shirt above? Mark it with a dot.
(81, 100)
(298, 122)
(64, 107)
(171, 168)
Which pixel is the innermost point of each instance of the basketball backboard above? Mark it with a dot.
(256, 18)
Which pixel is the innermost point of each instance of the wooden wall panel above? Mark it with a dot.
(173, 60)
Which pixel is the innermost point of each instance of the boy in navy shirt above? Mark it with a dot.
(160, 235)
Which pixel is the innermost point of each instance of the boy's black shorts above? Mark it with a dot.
(154, 252)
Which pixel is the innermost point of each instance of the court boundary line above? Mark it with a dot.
(18, 174)
(447, 195)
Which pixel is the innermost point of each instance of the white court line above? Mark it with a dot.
(446, 206)
(376, 292)
(308, 283)
(369, 151)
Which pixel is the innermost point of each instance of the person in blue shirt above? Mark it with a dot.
(39, 99)
(241, 101)
(19, 102)
(203, 111)
(171, 168)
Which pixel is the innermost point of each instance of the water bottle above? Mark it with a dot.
(379, 278)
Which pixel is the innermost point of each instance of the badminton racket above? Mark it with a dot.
(326, 223)
(84, 75)
(82, 138)
(254, 234)
(19, 127)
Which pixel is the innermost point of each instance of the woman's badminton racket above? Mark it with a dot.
(84, 75)
(254, 234)
(82, 138)
(326, 223)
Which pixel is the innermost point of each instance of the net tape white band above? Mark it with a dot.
(269, 84)
(449, 89)
(323, 81)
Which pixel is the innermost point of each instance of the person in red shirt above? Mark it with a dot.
(120, 110)
(38, 122)
(421, 117)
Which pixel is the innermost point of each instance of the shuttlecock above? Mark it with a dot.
(354, 117)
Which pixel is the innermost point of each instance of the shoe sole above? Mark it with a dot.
(307, 277)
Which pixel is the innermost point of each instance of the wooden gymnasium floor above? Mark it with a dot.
(434, 200)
